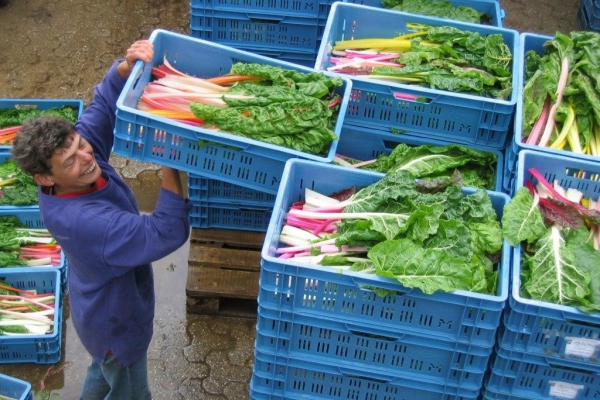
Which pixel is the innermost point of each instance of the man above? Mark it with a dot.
(94, 216)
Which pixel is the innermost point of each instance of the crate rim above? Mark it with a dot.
(471, 3)
(503, 279)
(218, 135)
(323, 50)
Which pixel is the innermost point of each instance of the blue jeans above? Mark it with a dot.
(111, 381)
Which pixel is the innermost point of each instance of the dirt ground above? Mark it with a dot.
(61, 48)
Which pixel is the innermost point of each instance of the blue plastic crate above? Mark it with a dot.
(255, 30)
(39, 349)
(4, 156)
(213, 190)
(207, 214)
(295, 8)
(543, 328)
(15, 388)
(456, 117)
(215, 154)
(491, 7)
(41, 104)
(30, 216)
(323, 292)
(371, 350)
(283, 378)
(537, 377)
(367, 144)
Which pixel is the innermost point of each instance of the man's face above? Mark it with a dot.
(73, 168)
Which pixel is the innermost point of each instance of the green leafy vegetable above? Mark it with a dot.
(440, 9)
(558, 262)
(287, 108)
(522, 219)
(16, 187)
(477, 167)
(14, 117)
(437, 239)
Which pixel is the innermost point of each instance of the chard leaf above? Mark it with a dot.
(498, 57)
(415, 267)
(391, 186)
(479, 274)
(560, 213)
(388, 224)
(479, 208)
(424, 222)
(588, 260)
(452, 238)
(486, 237)
(439, 184)
(522, 219)
(554, 275)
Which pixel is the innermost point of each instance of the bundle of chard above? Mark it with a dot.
(262, 102)
(24, 246)
(439, 57)
(25, 312)
(558, 232)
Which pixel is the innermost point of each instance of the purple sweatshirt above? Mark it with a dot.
(109, 245)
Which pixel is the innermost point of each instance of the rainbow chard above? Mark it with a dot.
(425, 234)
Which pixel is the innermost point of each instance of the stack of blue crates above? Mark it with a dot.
(224, 205)
(30, 348)
(30, 215)
(325, 333)
(546, 350)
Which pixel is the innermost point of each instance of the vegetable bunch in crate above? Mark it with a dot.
(263, 102)
(17, 189)
(13, 112)
(373, 150)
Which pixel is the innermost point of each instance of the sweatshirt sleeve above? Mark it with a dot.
(133, 240)
(97, 122)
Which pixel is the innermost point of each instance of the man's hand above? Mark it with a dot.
(140, 50)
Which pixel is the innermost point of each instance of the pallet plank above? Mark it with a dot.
(227, 258)
(221, 282)
(228, 237)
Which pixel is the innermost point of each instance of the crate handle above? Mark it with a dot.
(373, 336)
(140, 71)
(410, 97)
(260, 19)
(256, 209)
(365, 374)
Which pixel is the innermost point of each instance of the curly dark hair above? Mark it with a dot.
(38, 140)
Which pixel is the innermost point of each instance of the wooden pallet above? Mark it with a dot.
(223, 272)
